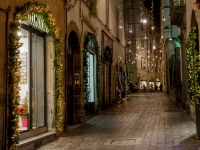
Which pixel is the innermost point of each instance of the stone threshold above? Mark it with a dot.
(36, 141)
(194, 118)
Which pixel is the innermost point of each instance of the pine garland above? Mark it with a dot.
(94, 10)
(91, 37)
(128, 80)
(14, 65)
(192, 59)
(121, 66)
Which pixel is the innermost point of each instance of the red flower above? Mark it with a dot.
(21, 110)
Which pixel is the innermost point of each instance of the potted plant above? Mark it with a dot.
(23, 110)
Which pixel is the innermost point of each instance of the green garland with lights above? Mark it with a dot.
(21, 14)
(128, 80)
(91, 37)
(93, 9)
(121, 66)
(192, 59)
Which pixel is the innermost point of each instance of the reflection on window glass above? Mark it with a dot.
(24, 81)
(32, 103)
(37, 81)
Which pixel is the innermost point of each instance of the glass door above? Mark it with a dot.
(32, 110)
(91, 77)
(37, 86)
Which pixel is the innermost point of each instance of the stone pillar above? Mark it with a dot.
(2, 78)
(50, 84)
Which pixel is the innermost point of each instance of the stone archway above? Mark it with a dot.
(73, 71)
(73, 42)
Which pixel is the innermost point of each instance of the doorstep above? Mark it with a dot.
(193, 118)
(36, 141)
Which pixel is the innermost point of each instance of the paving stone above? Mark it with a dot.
(155, 119)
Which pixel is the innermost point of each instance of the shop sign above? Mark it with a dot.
(36, 20)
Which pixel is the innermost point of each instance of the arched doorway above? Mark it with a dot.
(73, 78)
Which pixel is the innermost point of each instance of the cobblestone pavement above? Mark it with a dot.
(150, 121)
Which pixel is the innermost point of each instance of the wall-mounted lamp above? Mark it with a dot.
(163, 19)
(197, 4)
(144, 20)
(76, 79)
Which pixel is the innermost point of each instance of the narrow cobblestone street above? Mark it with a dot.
(148, 121)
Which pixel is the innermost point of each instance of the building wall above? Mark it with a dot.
(86, 23)
(78, 19)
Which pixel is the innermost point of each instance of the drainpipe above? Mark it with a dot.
(66, 20)
(6, 67)
(124, 3)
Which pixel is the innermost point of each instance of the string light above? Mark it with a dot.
(120, 15)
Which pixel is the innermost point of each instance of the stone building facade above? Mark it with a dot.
(144, 53)
(67, 69)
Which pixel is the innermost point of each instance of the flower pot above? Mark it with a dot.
(24, 122)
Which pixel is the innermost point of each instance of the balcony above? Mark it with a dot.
(178, 8)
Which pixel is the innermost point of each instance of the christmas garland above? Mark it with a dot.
(121, 66)
(94, 11)
(91, 37)
(14, 65)
(192, 60)
(128, 80)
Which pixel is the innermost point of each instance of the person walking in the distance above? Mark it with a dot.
(161, 87)
(156, 88)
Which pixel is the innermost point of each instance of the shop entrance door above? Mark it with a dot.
(106, 86)
(91, 81)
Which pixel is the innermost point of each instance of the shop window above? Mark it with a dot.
(143, 63)
(142, 26)
(143, 84)
(151, 66)
(32, 80)
(158, 83)
(151, 85)
(151, 47)
(142, 43)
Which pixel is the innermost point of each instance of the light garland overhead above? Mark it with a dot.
(120, 15)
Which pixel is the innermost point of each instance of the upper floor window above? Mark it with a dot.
(142, 43)
(107, 12)
(117, 22)
(150, 30)
(151, 47)
(142, 26)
